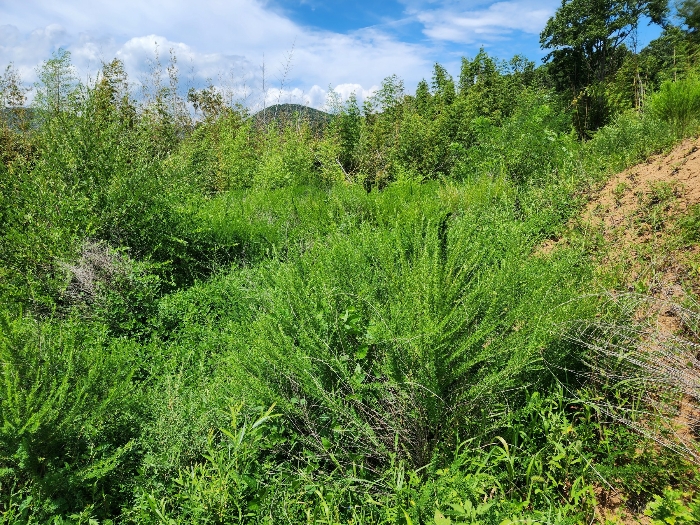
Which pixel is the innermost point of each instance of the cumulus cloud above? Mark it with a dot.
(228, 41)
(346, 90)
(211, 39)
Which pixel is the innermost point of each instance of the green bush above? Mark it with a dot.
(678, 103)
(671, 507)
(228, 486)
(392, 325)
(631, 138)
(70, 420)
(531, 146)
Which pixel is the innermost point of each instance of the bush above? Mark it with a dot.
(70, 420)
(228, 485)
(631, 138)
(678, 103)
(393, 336)
(110, 287)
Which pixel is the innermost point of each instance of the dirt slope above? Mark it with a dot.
(640, 232)
(639, 216)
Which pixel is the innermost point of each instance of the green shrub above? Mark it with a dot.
(678, 103)
(228, 486)
(531, 146)
(69, 417)
(671, 508)
(378, 326)
(287, 158)
(107, 285)
(630, 138)
(690, 225)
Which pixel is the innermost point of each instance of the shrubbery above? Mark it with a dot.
(217, 321)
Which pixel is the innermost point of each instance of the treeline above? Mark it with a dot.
(208, 316)
(592, 74)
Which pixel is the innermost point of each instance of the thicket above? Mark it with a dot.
(226, 319)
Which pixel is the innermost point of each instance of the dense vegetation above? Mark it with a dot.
(222, 319)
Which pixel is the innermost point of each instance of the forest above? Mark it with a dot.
(394, 311)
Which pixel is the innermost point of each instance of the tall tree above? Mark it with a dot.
(482, 69)
(13, 95)
(443, 86)
(585, 39)
(688, 11)
(423, 98)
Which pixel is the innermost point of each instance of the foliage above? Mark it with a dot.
(69, 419)
(585, 40)
(377, 278)
(671, 507)
(688, 11)
(678, 103)
(56, 84)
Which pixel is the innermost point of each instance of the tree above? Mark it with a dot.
(688, 11)
(56, 82)
(443, 86)
(208, 100)
(586, 39)
(14, 119)
(348, 124)
(111, 92)
(388, 98)
(13, 95)
(423, 98)
(480, 70)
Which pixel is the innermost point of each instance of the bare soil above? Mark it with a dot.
(632, 227)
(636, 215)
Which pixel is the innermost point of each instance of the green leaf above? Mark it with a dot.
(440, 518)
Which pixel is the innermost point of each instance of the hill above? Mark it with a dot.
(290, 113)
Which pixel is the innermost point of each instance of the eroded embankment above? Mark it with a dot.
(642, 229)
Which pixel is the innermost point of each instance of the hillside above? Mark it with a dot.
(463, 305)
(648, 214)
(284, 114)
(642, 231)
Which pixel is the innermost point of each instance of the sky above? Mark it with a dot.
(273, 51)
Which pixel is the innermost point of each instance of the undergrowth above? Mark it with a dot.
(218, 322)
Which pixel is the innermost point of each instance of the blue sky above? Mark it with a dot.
(307, 46)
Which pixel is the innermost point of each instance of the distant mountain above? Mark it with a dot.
(291, 113)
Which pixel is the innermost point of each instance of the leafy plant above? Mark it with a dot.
(678, 103)
(672, 508)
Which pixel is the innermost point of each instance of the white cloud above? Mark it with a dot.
(210, 38)
(459, 23)
(345, 90)
(231, 39)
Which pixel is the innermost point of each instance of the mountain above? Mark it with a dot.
(292, 113)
